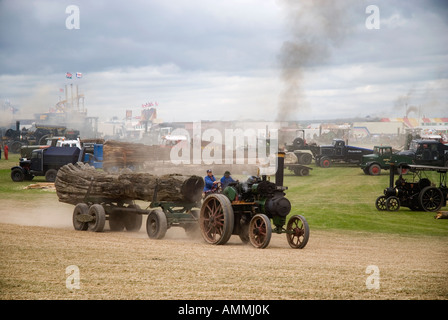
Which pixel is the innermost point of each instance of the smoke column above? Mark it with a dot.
(315, 26)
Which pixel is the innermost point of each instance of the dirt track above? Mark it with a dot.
(37, 245)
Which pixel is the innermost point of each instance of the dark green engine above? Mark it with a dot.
(246, 209)
(261, 196)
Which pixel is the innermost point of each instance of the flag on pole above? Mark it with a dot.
(78, 75)
(68, 75)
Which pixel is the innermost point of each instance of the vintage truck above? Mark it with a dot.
(44, 162)
(338, 151)
(421, 152)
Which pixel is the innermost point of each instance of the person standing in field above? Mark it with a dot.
(5, 149)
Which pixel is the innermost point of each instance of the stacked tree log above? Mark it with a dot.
(80, 182)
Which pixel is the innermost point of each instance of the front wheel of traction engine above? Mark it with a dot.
(260, 231)
(380, 203)
(216, 219)
(297, 232)
(392, 204)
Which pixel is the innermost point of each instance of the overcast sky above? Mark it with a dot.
(228, 60)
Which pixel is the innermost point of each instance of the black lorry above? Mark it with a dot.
(425, 152)
(44, 162)
(338, 151)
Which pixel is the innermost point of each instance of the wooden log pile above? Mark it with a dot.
(75, 182)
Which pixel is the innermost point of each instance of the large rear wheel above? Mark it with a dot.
(216, 219)
(431, 199)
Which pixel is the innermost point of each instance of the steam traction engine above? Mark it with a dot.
(420, 194)
(246, 209)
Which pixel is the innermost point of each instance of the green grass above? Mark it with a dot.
(14, 190)
(336, 198)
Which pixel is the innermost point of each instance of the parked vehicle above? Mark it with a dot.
(380, 159)
(425, 152)
(418, 193)
(338, 151)
(44, 162)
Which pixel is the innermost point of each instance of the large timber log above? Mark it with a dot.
(75, 182)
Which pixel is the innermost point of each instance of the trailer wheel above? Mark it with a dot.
(380, 203)
(216, 219)
(17, 175)
(297, 232)
(98, 218)
(392, 204)
(133, 221)
(116, 221)
(156, 224)
(305, 158)
(50, 175)
(431, 199)
(297, 171)
(80, 209)
(260, 231)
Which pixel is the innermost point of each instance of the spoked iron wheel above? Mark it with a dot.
(430, 199)
(392, 204)
(380, 203)
(216, 219)
(297, 232)
(260, 231)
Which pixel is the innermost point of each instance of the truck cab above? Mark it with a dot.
(427, 152)
(372, 164)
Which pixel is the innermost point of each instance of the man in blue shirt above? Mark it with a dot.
(226, 179)
(210, 182)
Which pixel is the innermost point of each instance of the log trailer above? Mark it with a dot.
(244, 209)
